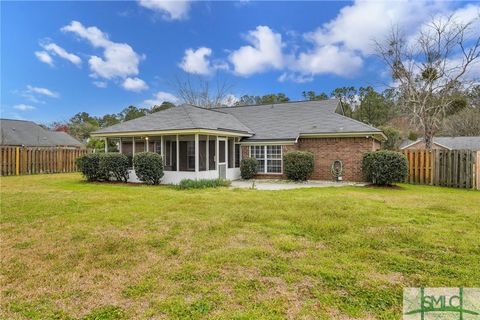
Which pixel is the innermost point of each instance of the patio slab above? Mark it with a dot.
(263, 184)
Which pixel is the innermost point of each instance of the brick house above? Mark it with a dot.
(201, 143)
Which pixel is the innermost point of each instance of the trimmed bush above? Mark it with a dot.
(148, 167)
(203, 183)
(115, 165)
(89, 166)
(298, 165)
(248, 168)
(384, 167)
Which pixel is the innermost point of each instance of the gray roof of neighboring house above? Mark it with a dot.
(181, 117)
(453, 143)
(289, 120)
(282, 121)
(30, 134)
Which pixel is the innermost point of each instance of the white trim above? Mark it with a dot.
(172, 132)
(207, 156)
(106, 145)
(120, 146)
(267, 142)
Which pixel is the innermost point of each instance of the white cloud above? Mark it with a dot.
(44, 57)
(328, 59)
(170, 10)
(159, 98)
(42, 91)
(62, 53)
(119, 59)
(100, 84)
(196, 61)
(24, 107)
(230, 100)
(264, 53)
(134, 84)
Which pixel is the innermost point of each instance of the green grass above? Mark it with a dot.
(74, 250)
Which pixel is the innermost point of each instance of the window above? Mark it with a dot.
(269, 158)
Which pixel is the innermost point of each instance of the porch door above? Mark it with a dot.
(222, 158)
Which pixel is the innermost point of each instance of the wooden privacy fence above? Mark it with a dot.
(449, 168)
(19, 160)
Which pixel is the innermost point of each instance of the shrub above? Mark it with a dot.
(115, 165)
(203, 183)
(298, 165)
(384, 167)
(148, 167)
(248, 168)
(89, 166)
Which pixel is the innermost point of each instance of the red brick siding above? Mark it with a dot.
(325, 150)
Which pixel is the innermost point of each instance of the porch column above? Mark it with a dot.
(161, 149)
(178, 154)
(120, 147)
(106, 144)
(146, 141)
(133, 151)
(197, 155)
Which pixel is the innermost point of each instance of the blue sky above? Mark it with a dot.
(60, 58)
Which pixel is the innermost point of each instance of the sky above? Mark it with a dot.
(59, 58)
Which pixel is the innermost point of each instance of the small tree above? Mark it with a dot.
(298, 165)
(248, 168)
(431, 69)
(393, 138)
(148, 167)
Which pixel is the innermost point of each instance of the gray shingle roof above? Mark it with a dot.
(452, 143)
(30, 134)
(287, 121)
(471, 143)
(181, 117)
(282, 121)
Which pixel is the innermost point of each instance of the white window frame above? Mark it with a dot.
(265, 158)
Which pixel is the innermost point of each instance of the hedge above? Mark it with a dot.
(248, 168)
(148, 167)
(384, 167)
(115, 165)
(89, 166)
(298, 165)
(203, 183)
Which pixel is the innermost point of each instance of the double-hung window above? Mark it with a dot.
(269, 158)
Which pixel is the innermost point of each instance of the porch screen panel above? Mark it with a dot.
(212, 141)
(221, 151)
(187, 153)
(237, 155)
(170, 153)
(231, 150)
(202, 152)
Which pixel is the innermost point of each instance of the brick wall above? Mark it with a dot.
(325, 150)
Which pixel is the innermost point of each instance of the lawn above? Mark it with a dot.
(71, 249)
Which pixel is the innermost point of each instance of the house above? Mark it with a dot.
(22, 133)
(209, 143)
(446, 143)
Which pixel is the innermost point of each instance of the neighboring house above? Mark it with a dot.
(446, 143)
(209, 143)
(22, 133)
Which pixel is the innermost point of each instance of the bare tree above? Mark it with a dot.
(431, 68)
(202, 92)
